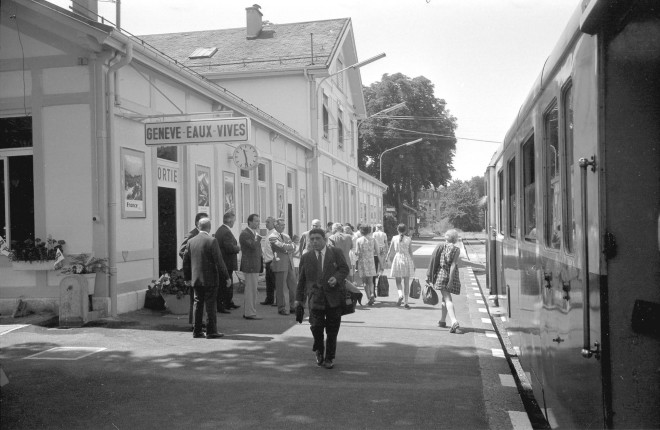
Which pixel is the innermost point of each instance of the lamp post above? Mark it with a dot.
(380, 158)
(352, 66)
(380, 114)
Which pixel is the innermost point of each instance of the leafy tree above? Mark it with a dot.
(460, 206)
(477, 184)
(407, 169)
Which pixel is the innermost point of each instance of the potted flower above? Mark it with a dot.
(87, 265)
(36, 254)
(173, 289)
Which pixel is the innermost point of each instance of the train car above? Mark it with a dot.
(573, 212)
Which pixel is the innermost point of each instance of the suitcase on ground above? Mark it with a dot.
(383, 287)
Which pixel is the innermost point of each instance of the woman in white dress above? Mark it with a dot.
(365, 249)
(403, 265)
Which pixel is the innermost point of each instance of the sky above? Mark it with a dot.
(482, 55)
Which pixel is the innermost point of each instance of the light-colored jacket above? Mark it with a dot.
(282, 247)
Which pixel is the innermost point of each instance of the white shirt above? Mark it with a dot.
(266, 249)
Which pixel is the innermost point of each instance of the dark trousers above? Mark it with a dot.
(205, 296)
(225, 293)
(329, 320)
(376, 262)
(270, 284)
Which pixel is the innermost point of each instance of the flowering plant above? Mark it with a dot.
(170, 283)
(81, 264)
(34, 250)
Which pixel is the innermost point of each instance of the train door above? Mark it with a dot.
(631, 162)
(491, 230)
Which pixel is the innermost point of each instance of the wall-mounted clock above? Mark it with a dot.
(246, 156)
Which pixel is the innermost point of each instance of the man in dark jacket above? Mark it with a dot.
(182, 249)
(203, 265)
(321, 277)
(230, 249)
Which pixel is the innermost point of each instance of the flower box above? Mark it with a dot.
(33, 265)
(178, 306)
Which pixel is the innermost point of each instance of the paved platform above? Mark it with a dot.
(395, 368)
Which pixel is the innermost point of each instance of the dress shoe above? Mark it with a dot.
(399, 301)
(283, 313)
(442, 324)
(233, 306)
(266, 303)
(406, 306)
(214, 335)
(252, 318)
(223, 311)
(319, 358)
(455, 328)
(198, 335)
(329, 364)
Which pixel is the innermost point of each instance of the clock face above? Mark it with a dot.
(245, 156)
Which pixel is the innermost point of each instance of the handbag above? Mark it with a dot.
(383, 289)
(429, 296)
(415, 289)
(348, 302)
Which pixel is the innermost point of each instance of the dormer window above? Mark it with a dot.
(203, 53)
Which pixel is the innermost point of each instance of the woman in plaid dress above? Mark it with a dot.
(365, 249)
(443, 275)
(402, 263)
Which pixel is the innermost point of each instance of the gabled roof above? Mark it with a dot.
(278, 46)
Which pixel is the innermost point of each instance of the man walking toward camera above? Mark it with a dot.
(321, 277)
(206, 270)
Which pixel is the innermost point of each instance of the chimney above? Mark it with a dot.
(87, 8)
(254, 21)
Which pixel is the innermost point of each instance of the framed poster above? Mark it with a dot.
(133, 174)
(303, 206)
(280, 201)
(203, 181)
(229, 196)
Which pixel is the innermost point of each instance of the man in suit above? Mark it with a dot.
(343, 241)
(304, 239)
(230, 249)
(267, 252)
(206, 271)
(282, 266)
(182, 249)
(251, 264)
(321, 276)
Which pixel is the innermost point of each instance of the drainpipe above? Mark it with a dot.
(112, 175)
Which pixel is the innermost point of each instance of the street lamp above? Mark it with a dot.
(380, 158)
(381, 113)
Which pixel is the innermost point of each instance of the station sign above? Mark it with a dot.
(217, 130)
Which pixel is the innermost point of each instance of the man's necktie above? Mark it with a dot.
(319, 264)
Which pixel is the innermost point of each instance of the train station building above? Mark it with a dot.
(111, 144)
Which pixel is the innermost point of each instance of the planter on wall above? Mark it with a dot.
(33, 265)
(91, 282)
(177, 306)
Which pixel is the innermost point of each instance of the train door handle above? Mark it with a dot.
(589, 352)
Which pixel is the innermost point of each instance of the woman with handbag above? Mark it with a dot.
(403, 265)
(443, 275)
(365, 249)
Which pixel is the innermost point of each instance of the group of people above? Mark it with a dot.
(328, 259)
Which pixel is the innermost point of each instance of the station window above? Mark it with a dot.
(340, 129)
(512, 196)
(167, 153)
(500, 209)
(16, 179)
(552, 185)
(569, 195)
(263, 190)
(529, 190)
(326, 117)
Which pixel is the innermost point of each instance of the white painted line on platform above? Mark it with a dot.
(477, 295)
(517, 349)
(4, 329)
(64, 353)
(497, 352)
(424, 250)
(484, 310)
(476, 288)
(425, 355)
(494, 335)
(481, 302)
(507, 380)
(485, 320)
(503, 318)
(520, 420)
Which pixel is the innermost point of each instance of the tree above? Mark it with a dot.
(478, 185)
(460, 206)
(407, 169)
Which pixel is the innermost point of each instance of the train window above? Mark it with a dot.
(529, 189)
(569, 195)
(512, 197)
(552, 186)
(500, 189)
